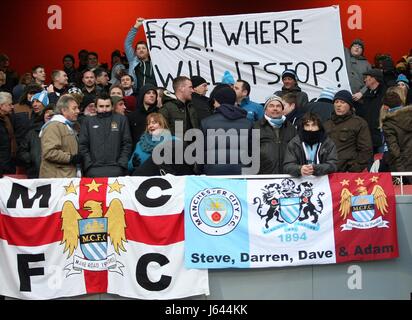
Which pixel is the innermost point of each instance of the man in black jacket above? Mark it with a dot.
(227, 134)
(199, 100)
(146, 104)
(372, 104)
(105, 141)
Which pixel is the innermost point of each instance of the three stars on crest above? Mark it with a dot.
(93, 186)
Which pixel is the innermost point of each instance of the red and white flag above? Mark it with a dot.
(68, 237)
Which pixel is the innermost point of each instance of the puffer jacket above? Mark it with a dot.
(326, 157)
(106, 145)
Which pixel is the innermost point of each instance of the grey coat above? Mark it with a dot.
(356, 66)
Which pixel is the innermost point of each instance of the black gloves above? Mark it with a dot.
(136, 161)
(76, 159)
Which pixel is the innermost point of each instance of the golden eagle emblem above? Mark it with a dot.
(115, 229)
(379, 197)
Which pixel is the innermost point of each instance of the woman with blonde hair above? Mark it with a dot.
(157, 131)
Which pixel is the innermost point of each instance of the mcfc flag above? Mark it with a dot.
(289, 222)
(69, 237)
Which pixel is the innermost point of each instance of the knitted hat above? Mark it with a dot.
(228, 78)
(375, 73)
(289, 73)
(75, 90)
(224, 95)
(197, 81)
(392, 99)
(404, 79)
(346, 96)
(327, 93)
(116, 99)
(42, 97)
(273, 98)
(358, 42)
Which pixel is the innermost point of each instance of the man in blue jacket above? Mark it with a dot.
(140, 64)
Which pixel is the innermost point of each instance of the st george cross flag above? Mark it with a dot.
(289, 222)
(68, 237)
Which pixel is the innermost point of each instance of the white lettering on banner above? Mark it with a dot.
(254, 47)
(378, 223)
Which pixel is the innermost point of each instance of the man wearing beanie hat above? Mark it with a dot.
(118, 105)
(232, 120)
(372, 103)
(350, 134)
(197, 81)
(344, 96)
(199, 100)
(275, 134)
(356, 65)
(290, 85)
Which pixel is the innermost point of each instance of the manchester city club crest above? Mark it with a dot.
(215, 211)
(92, 234)
(363, 207)
(289, 206)
(93, 238)
(289, 209)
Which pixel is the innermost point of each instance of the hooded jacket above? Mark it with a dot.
(397, 128)
(137, 118)
(231, 119)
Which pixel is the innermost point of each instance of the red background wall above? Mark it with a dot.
(101, 26)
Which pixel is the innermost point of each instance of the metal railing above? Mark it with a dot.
(398, 175)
